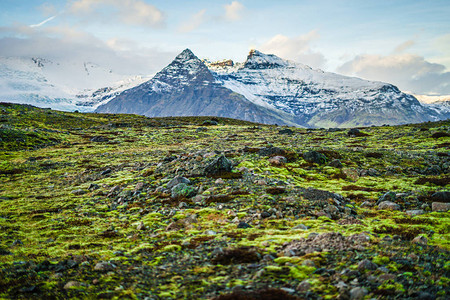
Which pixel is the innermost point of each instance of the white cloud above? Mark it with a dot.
(233, 11)
(194, 22)
(68, 44)
(295, 48)
(408, 71)
(131, 12)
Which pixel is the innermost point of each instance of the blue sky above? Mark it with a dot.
(405, 42)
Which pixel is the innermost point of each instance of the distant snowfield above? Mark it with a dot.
(65, 85)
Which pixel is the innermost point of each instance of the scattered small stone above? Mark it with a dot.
(389, 205)
(79, 192)
(177, 180)
(219, 166)
(243, 225)
(104, 266)
(71, 284)
(440, 206)
(277, 160)
(350, 173)
(300, 226)
(341, 285)
(261, 182)
(336, 163)
(420, 240)
(358, 293)
(315, 157)
(106, 172)
(386, 276)
(366, 204)
(304, 286)
(415, 212)
(182, 205)
(271, 151)
(99, 139)
(265, 214)
(93, 186)
(366, 264)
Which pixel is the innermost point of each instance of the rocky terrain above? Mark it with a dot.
(124, 206)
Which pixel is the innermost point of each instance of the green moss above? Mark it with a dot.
(390, 285)
(171, 248)
(380, 260)
(301, 272)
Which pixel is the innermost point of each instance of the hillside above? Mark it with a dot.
(125, 206)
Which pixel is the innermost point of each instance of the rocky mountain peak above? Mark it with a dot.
(185, 56)
(186, 68)
(258, 60)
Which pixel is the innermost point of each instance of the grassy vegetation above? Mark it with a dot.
(85, 211)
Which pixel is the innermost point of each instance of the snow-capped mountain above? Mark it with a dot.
(186, 87)
(264, 88)
(65, 85)
(317, 98)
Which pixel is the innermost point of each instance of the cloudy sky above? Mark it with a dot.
(404, 42)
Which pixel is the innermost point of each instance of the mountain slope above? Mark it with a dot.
(187, 88)
(317, 98)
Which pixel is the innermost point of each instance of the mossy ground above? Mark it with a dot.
(69, 200)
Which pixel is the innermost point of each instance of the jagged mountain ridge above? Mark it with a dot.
(186, 87)
(317, 98)
(281, 91)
